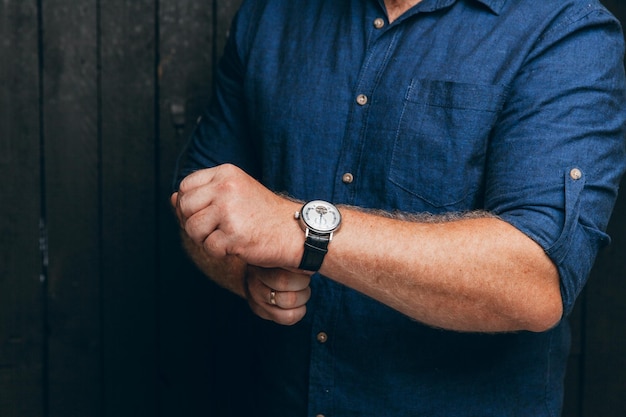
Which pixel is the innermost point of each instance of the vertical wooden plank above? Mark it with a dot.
(226, 9)
(70, 109)
(129, 238)
(185, 59)
(202, 361)
(22, 340)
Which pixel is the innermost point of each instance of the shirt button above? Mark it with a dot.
(347, 178)
(361, 99)
(322, 337)
(379, 23)
(576, 174)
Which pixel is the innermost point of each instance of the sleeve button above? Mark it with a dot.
(575, 174)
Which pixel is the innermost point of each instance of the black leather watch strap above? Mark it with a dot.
(315, 248)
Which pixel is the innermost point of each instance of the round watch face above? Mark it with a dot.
(321, 216)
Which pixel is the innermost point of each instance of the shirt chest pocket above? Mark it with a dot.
(441, 142)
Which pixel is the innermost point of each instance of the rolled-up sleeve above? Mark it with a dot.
(558, 152)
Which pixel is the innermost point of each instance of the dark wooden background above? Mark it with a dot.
(101, 314)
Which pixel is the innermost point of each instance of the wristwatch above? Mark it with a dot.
(319, 220)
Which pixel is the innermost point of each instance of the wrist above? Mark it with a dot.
(318, 220)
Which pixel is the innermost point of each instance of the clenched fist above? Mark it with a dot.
(228, 212)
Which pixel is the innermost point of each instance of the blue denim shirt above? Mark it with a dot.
(515, 107)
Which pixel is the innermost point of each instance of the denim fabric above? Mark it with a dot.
(515, 107)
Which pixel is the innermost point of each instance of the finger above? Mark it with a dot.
(257, 290)
(217, 243)
(202, 224)
(196, 179)
(288, 317)
(194, 200)
(284, 317)
(260, 302)
(283, 288)
(174, 204)
(290, 299)
(283, 280)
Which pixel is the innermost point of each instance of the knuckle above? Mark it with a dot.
(182, 187)
(290, 299)
(181, 202)
(291, 317)
(282, 281)
(191, 231)
(227, 187)
(186, 205)
(187, 183)
(228, 169)
(212, 247)
(287, 319)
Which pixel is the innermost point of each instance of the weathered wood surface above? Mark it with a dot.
(101, 313)
(129, 174)
(22, 299)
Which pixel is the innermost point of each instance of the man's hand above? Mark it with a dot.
(277, 294)
(231, 220)
(227, 212)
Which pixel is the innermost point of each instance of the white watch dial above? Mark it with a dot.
(321, 216)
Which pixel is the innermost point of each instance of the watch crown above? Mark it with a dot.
(296, 215)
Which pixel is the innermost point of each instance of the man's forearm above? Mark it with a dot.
(477, 273)
(228, 272)
(471, 274)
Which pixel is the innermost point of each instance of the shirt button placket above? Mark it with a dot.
(322, 338)
(322, 362)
